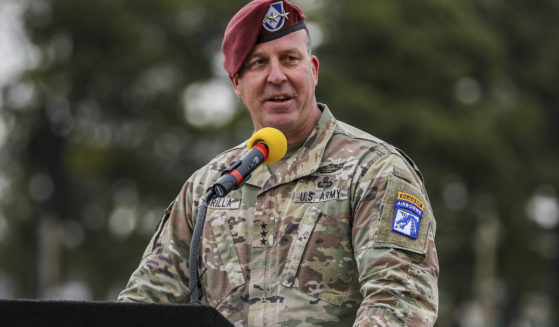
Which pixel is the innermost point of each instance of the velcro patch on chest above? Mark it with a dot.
(321, 195)
(225, 203)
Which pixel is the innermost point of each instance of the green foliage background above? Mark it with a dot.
(97, 141)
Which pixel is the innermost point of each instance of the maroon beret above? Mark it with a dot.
(258, 21)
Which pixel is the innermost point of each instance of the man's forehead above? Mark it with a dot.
(292, 43)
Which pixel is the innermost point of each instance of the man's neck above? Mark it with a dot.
(301, 135)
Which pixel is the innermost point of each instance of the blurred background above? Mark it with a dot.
(108, 106)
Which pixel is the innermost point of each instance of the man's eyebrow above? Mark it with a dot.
(282, 52)
(257, 54)
(290, 50)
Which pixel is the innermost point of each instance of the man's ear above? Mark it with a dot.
(315, 66)
(235, 82)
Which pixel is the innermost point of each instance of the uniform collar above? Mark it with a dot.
(305, 161)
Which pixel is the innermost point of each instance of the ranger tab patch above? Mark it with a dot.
(408, 211)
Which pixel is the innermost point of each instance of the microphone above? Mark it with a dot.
(266, 146)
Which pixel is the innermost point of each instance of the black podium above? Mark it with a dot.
(77, 313)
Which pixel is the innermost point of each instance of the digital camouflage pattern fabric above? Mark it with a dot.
(322, 241)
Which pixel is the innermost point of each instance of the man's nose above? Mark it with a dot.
(276, 74)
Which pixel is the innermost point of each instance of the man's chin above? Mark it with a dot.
(281, 122)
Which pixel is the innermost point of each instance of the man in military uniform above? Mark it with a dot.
(340, 231)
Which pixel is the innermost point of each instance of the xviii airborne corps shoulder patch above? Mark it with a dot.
(408, 211)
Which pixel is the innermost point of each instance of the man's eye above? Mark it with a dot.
(290, 59)
(257, 62)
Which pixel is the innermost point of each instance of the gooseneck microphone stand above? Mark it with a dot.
(195, 245)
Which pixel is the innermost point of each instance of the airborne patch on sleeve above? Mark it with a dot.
(404, 219)
(407, 217)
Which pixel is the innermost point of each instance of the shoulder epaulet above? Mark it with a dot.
(356, 133)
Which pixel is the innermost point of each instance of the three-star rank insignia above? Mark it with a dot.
(264, 233)
(408, 211)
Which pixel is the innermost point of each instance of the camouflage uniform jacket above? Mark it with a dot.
(313, 244)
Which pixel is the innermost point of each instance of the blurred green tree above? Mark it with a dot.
(102, 134)
(468, 90)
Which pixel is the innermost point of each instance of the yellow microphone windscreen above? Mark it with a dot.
(274, 140)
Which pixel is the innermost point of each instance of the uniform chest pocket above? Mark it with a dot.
(320, 260)
(223, 270)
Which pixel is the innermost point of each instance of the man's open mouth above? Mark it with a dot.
(281, 98)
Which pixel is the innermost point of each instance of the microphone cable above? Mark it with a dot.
(195, 246)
